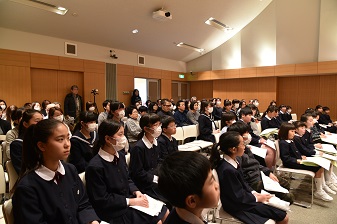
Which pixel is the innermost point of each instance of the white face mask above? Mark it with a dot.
(256, 104)
(121, 114)
(236, 105)
(91, 109)
(210, 110)
(92, 127)
(3, 107)
(59, 118)
(120, 143)
(37, 108)
(248, 140)
(156, 132)
(315, 120)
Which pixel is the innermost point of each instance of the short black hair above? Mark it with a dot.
(192, 105)
(325, 108)
(105, 103)
(245, 111)
(304, 117)
(227, 116)
(239, 127)
(182, 174)
(166, 120)
(298, 124)
(284, 130)
(142, 109)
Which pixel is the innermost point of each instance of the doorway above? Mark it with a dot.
(180, 91)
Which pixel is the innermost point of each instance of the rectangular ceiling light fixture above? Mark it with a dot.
(43, 5)
(219, 25)
(187, 46)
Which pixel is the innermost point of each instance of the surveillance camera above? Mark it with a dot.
(167, 14)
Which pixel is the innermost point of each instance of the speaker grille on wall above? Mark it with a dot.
(141, 60)
(70, 49)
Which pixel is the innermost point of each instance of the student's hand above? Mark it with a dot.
(139, 202)
(298, 161)
(262, 197)
(318, 145)
(273, 177)
(323, 135)
(262, 140)
(139, 194)
(94, 222)
(320, 153)
(304, 157)
(216, 131)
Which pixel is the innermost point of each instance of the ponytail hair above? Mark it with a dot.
(271, 108)
(26, 116)
(32, 157)
(146, 121)
(106, 128)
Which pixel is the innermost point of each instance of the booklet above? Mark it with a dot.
(261, 152)
(277, 202)
(154, 208)
(271, 185)
(269, 131)
(270, 143)
(317, 161)
(328, 149)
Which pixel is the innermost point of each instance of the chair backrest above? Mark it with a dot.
(2, 180)
(12, 175)
(294, 117)
(2, 137)
(7, 210)
(277, 156)
(179, 135)
(82, 177)
(190, 131)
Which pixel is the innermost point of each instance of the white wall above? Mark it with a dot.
(286, 32)
(29, 42)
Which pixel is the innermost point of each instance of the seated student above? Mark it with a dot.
(289, 109)
(180, 115)
(132, 125)
(5, 125)
(117, 111)
(167, 143)
(308, 120)
(246, 117)
(251, 167)
(142, 110)
(207, 127)
(269, 118)
(217, 109)
(49, 190)
(144, 157)
(273, 103)
(29, 117)
(292, 158)
(235, 106)
(153, 107)
(193, 114)
(165, 108)
(104, 115)
(13, 133)
(256, 103)
(83, 140)
(317, 132)
(325, 119)
(283, 115)
(227, 119)
(227, 106)
(189, 191)
(237, 197)
(301, 143)
(109, 187)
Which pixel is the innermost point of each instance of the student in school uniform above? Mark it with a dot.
(117, 111)
(235, 106)
(109, 187)
(237, 197)
(104, 115)
(301, 143)
(251, 168)
(83, 140)
(189, 191)
(29, 117)
(227, 119)
(269, 118)
(49, 190)
(292, 158)
(308, 120)
(13, 133)
(288, 113)
(207, 127)
(325, 119)
(227, 106)
(167, 143)
(283, 115)
(317, 132)
(193, 114)
(144, 157)
(256, 103)
(217, 109)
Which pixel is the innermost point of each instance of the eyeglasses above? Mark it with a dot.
(166, 105)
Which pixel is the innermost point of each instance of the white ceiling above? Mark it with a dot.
(109, 23)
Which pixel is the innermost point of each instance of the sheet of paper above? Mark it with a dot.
(328, 148)
(320, 161)
(328, 156)
(277, 202)
(268, 131)
(154, 208)
(261, 152)
(271, 185)
(270, 143)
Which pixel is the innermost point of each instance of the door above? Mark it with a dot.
(153, 89)
(180, 91)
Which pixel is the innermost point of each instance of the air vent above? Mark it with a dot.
(141, 60)
(70, 49)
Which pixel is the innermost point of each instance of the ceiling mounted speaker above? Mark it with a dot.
(70, 49)
(141, 60)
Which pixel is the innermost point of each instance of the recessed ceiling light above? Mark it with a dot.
(219, 25)
(43, 5)
(135, 31)
(187, 46)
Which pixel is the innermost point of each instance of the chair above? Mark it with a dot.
(82, 177)
(192, 131)
(7, 210)
(179, 135)
(127, 158)
(2, 183)
(280, 168)
(13, 176)
(294, 117)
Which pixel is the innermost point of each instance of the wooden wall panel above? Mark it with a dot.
(287, 92)
(166, 88)
(234, 89)
(166, 74)
(207, 89)
(71, 64)
(94, 66)
(125, 83)
(327, 94)
(15, 58)
(175, 76)
(327, 67)
(306, 93)
(44, 61)
(125, 70)
(196, 89)
(15, 85)
(220, 89)
(204, 75)
(94, 81)
(232, 73)
(266, 92)
(247, 72)
(141, 72)
(154, 73)
(65, 79)
(265, 71)
(306, 68)
(218, 74)
(284, 70)
(45, 85)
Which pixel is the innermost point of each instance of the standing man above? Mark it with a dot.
(73, 103)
